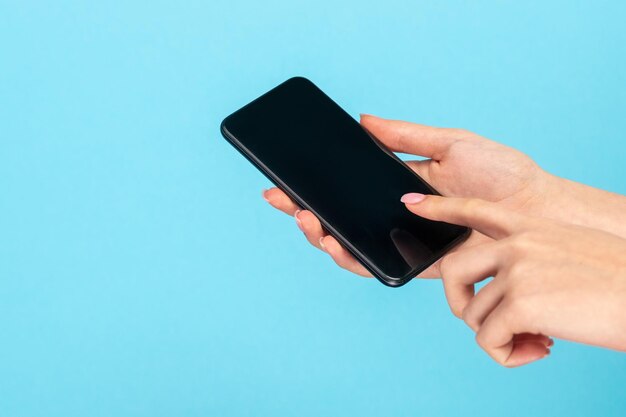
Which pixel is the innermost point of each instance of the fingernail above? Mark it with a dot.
(412, 198)
(363, 114)
(322, 243)
(550, 342)
(547, 353)
(264, 196)
(298, 221)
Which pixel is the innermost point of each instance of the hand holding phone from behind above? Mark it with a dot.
(557, 248)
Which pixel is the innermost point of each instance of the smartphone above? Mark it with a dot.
(329, 164)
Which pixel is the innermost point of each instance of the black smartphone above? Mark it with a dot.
(329, 164)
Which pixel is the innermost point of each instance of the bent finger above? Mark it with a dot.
(462, 269)
(486, 217)
(310, 226)
(497, 337)
(483, 303)
(279, 200)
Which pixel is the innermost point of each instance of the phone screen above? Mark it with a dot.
(326, 161)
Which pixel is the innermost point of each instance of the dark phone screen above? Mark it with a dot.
(327, 159)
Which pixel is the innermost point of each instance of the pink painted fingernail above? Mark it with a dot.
(322, 243)
(412, 198)
(263, 193)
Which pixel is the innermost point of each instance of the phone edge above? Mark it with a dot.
(382, 277)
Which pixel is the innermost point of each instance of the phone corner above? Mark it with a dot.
(224, 129)
(392, 282)
(299, 79)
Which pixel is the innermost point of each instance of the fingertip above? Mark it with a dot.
(412, 198)
(330, 245)
(369, 119)
(298, 220)
(279, 200)
(457, 311)
(308, 218)
(420, 204)
(271, 194)
(305, 220)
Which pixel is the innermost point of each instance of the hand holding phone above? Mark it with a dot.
(460, 164)
(306, 144)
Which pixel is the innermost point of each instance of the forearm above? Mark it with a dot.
(583, 205)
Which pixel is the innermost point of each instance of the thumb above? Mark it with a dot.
(483, 216)
(412, 138)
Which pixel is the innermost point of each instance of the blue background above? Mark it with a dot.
(141, 273)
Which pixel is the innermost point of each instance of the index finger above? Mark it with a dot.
(488, 218)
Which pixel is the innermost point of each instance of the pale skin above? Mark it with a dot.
(550, 278)
(465, 165)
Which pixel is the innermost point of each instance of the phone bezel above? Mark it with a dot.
(364, 260)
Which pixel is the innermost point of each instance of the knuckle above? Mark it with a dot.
(481, 340)
(460, 132)
(516, 270)
(516, 308)
(514, 290)
(470, 319)
(446, 265)
(484, 344)
(456, 309)
(523, 242)
(522, 314)
(455, 303)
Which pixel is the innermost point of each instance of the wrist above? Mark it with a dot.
(575, 203)
(546, 196)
